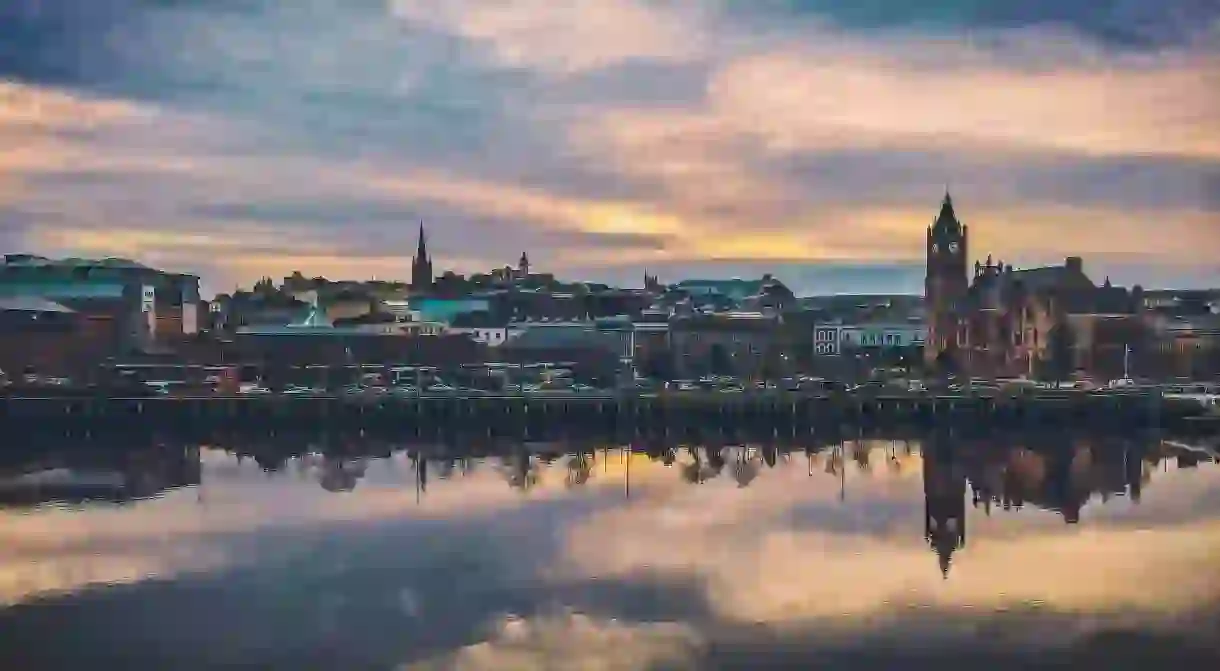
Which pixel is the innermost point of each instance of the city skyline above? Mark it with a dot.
(237, 140)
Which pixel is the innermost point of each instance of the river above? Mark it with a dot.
(1016, 551)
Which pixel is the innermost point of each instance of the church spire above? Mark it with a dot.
(421, 250)
(946, 221)
(946, 206)
(421, 265)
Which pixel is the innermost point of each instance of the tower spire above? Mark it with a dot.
(421, 265)
(421, 250)
(946, 221)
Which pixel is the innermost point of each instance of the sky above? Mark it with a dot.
(809, 138)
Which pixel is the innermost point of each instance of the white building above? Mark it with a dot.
(480, 327)
(834, 339)
(492, 336)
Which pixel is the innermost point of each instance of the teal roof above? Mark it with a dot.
(445, 309)
(61, 290)
(735, 288)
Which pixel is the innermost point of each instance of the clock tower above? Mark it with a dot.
(946, 280)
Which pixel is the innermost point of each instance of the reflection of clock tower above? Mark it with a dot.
(946, 280)
(944, 490)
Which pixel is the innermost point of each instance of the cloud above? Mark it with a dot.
(563, 40)
(605, 138)
(799, 100)
(575, 641)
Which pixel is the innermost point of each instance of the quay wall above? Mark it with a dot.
(522, 414)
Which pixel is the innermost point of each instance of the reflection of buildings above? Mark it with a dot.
(340, 475)
(944, 487)
(520, 470)
(80, 477)
(1062, 479)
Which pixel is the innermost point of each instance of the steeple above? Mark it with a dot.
(946, 221)
(421, 265)
(421, 250)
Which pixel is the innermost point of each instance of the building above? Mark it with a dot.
(1051, 321)
(129, 306)
(742, 344)
(1184, 301)
(594, 353)
(835, 339)
(422, 277)
(616, 334)
(481, 327)
(370, 339)
(46, 337)
(1186, 346)
(652, 355)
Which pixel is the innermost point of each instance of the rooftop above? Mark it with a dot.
(562, 338)
(1207, 323)
(480, 319)
(31, 304)
(71, 262)
(14, 261)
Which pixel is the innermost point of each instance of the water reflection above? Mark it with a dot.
(353, 555)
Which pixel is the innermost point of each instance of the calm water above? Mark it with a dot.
(1018, 553)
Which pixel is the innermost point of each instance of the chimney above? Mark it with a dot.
(1074, 264)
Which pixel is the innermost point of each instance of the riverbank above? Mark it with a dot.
(513, 414)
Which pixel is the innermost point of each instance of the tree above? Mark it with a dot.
(719, 360)
(946, 361)
(1060, 361)
(658, 364)
(580, 468)
(774, 363)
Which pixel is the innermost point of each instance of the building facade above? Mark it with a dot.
(738, 344)
(836, 339)
(1047, 322)
(1187, 347)
(128, 305)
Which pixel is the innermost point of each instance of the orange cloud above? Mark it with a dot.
(712, 198)
(41, 109)
(801, 101)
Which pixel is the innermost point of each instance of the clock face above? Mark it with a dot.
(953, 247)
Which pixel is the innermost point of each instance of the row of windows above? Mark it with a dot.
(880, 339)
(894, 339)
(831, 335)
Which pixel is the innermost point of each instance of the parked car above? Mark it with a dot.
(252, 388)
